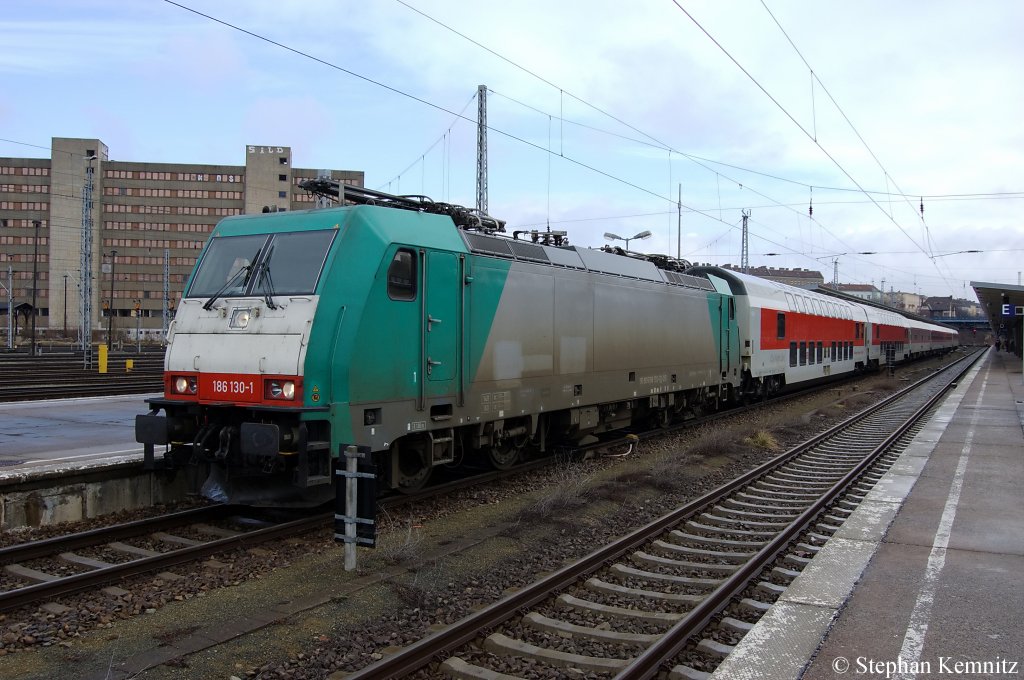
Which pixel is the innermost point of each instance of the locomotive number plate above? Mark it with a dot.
(221, 387)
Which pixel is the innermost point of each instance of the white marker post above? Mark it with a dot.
(348, 516)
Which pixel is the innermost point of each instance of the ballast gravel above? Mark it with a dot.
(496, 537)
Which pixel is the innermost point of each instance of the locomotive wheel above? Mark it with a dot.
(413, 467)
(504, 455)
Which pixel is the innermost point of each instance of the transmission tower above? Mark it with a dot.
(481, 149)
(166, 313)
(85, 281)
(10, 308)
(745, 255)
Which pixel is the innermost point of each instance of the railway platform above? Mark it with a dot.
(923, 580)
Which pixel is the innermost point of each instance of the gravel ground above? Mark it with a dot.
(435, 564)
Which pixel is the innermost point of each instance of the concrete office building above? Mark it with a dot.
(139, 211)
(798, 278)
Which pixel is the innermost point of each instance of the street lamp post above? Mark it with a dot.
(138, 326)
(615, 237)
(110, 319)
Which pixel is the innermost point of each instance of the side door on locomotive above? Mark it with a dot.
(407, 363)
(723, 319)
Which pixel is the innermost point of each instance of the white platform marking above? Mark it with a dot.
(917, 629)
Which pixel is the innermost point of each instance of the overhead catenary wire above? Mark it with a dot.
(803, 129)
(421, 100)
(442, 138)
(562, 120)
(815, 77)
(563, 91)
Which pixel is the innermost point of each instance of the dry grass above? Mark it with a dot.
(570, 490)
(860, 401)
(412, 595)
(403, 550)
(622, 489)
(713, 442)
(764, 440)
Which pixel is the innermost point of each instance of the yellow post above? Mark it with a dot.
(129, 364)
(103, 359)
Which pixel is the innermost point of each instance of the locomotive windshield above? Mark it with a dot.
(241, 265)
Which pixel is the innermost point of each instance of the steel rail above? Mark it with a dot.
(58, 544)
(675, 639)
(419, 654)
(54, 546)
(22, 596)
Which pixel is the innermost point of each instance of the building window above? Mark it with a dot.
(283, 160)
(282, 194)
(282, 178)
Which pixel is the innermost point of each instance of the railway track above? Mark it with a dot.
(187, 536)
(632, 608)
(60, 376)
(39, 571)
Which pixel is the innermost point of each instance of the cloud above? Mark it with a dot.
(935, 94)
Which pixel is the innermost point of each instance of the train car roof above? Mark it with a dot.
(772, 294)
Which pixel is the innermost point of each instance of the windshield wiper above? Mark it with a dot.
(227, 284)
(264, 275)
(247, 269)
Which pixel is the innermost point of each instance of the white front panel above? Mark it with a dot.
(273, 341)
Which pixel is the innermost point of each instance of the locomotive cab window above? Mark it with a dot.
(402, 276)
(283, 263)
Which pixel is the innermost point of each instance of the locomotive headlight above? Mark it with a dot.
(185, 385)
(240, 317)
(281, 389)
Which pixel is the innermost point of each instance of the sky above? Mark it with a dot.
(668, 116)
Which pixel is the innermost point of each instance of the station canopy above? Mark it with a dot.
(1003, 303)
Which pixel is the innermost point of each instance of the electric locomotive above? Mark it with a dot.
(422, 334)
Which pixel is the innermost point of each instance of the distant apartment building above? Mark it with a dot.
(147, 219)
(908, 302)
(950, 308)
(798, 278)
(864, 291)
